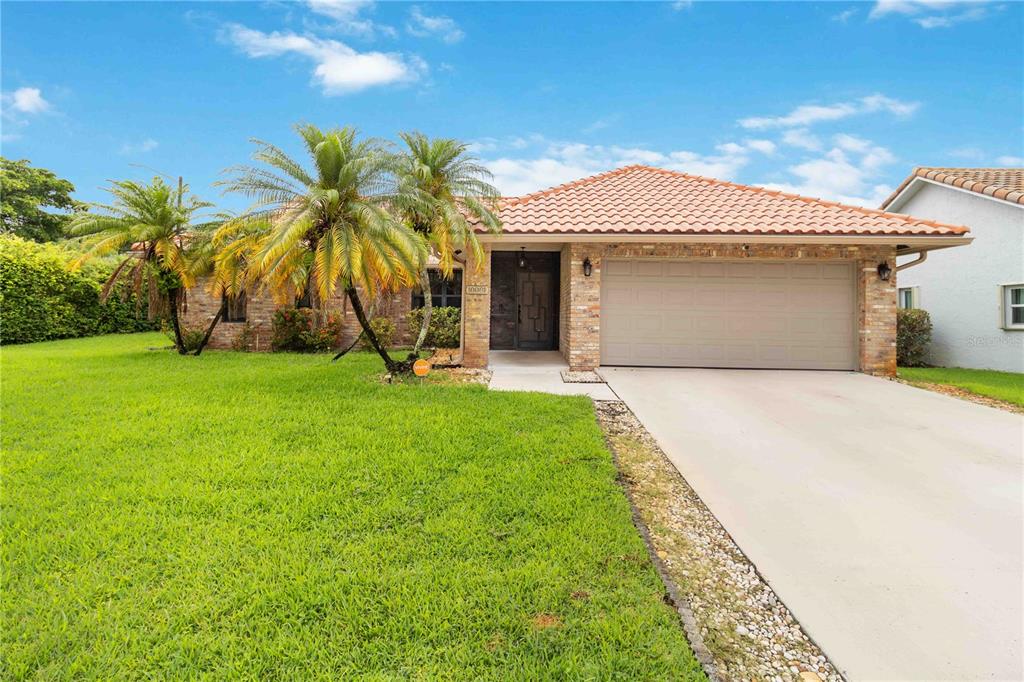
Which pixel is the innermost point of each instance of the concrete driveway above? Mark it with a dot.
(888, 518)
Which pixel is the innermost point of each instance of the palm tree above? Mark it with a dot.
(153, 225)
(329, 226)
(444, 189)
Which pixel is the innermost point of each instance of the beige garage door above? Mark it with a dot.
(686, 313)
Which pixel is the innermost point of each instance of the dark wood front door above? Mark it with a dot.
(524, 300)
(535, 328)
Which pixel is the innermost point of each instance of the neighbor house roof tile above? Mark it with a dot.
(1002, 183)
(646, 200)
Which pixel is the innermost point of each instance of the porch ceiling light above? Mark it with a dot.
(884, 271)
(588, 267)
(522, 257)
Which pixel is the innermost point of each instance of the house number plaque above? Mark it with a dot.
(476, 288)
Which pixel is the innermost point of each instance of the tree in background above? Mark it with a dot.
(443, 188)
(329, 225)
(25, 192)
(151, 226)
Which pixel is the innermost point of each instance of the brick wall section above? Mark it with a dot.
(476, 311)
(259, 312)
(583, 327)
(580, 321)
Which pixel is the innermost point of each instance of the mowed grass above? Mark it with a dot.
(278, 517)
(1008, 386)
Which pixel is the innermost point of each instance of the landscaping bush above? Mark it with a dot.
(384, 328)
(191, 337)
(243, 339)
(296, 329)
(40, 299)
(913, 334)
(445, 327)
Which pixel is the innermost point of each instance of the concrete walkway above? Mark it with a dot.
(888, 518)
(538, 371)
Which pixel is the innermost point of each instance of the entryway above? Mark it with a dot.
(524, 300)
(539, 371)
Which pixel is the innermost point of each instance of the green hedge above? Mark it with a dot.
(444, 331)
(913, 335)
(41, 300)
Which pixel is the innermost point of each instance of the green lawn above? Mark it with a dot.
(1007, 386)
(276, 516)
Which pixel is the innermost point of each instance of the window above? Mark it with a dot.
(306, 300)
(907, 298)
(234, 307)
(1013, 306)
(443, 292)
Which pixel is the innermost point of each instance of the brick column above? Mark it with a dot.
(583, 325)
(877, 313)
(476, 311)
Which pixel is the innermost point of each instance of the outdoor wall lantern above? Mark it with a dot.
(522, 257)
(588, 267)
(884, 271)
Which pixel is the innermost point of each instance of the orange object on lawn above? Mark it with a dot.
(421, 368)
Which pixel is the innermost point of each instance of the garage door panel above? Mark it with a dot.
(728, 314)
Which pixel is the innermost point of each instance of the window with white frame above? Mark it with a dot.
(1013, 306)
(907, 297)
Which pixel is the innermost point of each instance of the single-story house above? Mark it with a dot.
(649, 267)
(975, 296)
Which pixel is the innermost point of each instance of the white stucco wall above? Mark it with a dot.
(959, 287)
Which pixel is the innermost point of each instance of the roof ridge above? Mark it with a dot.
(959, 177)
(515, 201)
(764, 190)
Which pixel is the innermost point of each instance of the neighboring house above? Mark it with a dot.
(648, 267)
(975, 296)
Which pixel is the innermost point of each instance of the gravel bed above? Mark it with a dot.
(571, 377)
(744, 627)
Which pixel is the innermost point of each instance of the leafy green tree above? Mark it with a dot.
(329, 225)
(152, 227)
(444, 192)
(25, 192)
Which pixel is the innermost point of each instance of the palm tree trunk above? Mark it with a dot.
(428, 311)
(392, 366)
(172, 299)
(209, 331)
(344, 351)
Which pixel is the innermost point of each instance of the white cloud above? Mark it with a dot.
(844, 16)
(346, 17)
(424, 25)
(1010, 160)
(803, 138)
(26, 101)
(930, 14)
(764, 146)
(147, 145)
(338, 69)
(809, 114)
(678, 5)
(846, 173)
(601, 124)
(559, 162)
(969, 153)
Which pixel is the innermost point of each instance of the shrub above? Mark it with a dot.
(41, 299)
(295, 329)
(191, 337)
(913, 334)
(243, 339)
(384, 328)
(445, 329)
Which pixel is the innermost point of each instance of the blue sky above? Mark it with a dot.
(833, 99)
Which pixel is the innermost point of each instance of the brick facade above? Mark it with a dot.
(200, 308)
(580, 296)
(476, 311)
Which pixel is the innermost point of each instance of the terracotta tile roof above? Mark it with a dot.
(1001, 183)
(646, 200)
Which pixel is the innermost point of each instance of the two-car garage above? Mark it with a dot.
(745, 314)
